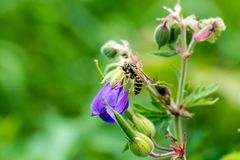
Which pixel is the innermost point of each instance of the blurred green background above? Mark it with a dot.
(48, 78)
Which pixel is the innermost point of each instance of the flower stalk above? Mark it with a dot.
(157, 146)
(181, 85)
(177, 118)
(164, 155)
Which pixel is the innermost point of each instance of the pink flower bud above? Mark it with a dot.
(209, 29)
(202, 36)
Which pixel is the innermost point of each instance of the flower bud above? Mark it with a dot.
(141, 145)
(174, 33)
(143, 125)
(112, 49)
(218, 27)
(202, 36)
(209, 29)
(162, 35)
(109, 49)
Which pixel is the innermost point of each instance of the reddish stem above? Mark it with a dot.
(164, 155)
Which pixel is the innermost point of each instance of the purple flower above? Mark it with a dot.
(116, 97)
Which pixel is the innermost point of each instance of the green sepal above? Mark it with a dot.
(116, 78)
(129, 113)
(108, 76)
(125, 148)
(128, 84)
(126, 128)
(110, 67)
(153, 114)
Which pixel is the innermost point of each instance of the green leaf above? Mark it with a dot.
(186, 91)
(154, 115)
(200, 96)
(232, 156)
(166, 53)
(164, 124)
(205, 102)
(168, 50)
(156, 104)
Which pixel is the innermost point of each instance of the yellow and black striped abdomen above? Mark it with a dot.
(138, 83)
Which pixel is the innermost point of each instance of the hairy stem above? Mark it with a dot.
(157, 146)
(177, 118)
(178, 128)
(181, 83)
(164, 155)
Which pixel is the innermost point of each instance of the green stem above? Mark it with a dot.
(179, 99)
(152, 90)
(178, 128)
(181, 84)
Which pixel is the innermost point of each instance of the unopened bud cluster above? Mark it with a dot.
(178, 32)
(139, 143)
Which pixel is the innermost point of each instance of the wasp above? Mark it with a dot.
(131, 71)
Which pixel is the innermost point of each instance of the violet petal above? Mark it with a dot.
(98, 104)
(106, 117)
(116, 98)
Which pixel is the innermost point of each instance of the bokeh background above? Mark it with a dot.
(48, 78)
